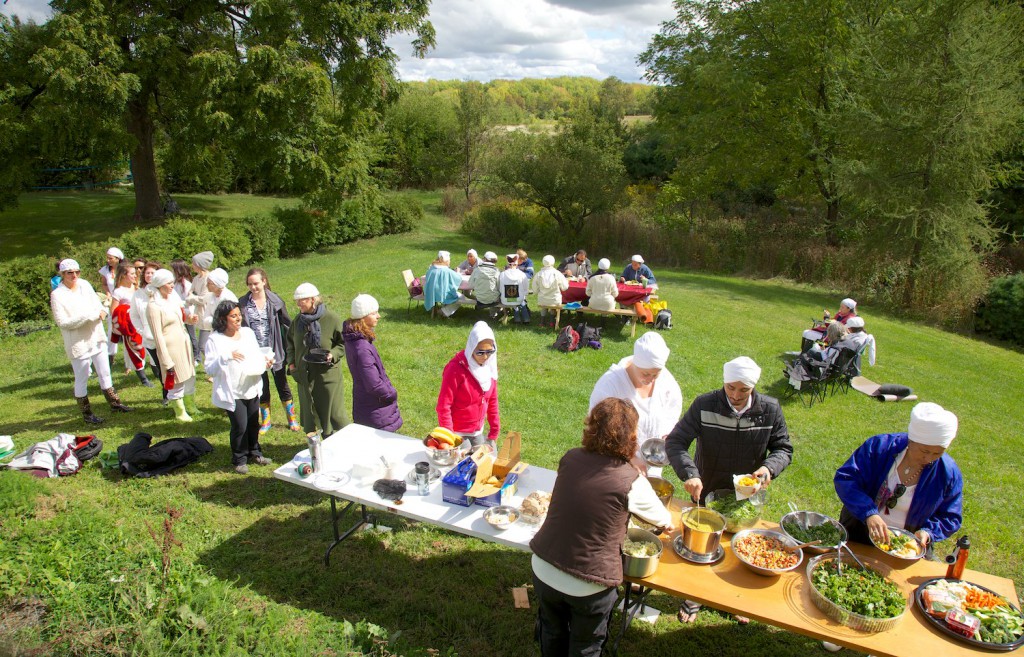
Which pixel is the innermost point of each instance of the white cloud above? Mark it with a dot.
(488, 39)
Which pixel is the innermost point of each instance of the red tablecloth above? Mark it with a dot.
(628, 294)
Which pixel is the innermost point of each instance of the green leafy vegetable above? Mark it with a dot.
(827, 532)
(1001, 625)
(863, 592)
(738, 513)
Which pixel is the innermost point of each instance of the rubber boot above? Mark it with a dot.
(265, 418)
(190, 406)
(178, 406)
(83, 403)
(289, 410)
(115, 401)
(143, 378)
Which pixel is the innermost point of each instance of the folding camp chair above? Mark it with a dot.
(842, 369)
(418, 298)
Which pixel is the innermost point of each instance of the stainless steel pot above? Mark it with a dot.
(702, 541)
(641, 566)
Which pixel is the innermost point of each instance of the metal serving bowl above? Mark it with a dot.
(813, 519)
(904, 561)
(641, 566)
(653, 451)
(733, 524)
(762, 570)
(446, 456)
(702, 542)
(501, 517)
(663, 488)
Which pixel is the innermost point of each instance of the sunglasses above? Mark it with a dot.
(484, 352)
(896, 495)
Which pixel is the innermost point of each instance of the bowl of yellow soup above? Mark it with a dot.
(702, 530)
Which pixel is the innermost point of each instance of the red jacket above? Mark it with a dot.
(461, 404)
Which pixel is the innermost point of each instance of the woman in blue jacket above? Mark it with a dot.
(904, 480)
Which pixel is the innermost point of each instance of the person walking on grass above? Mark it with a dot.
(108, 281)
(140, 302)
(199, 298)
(314, 349)
(79, 315)
(234, 360)
(177, 369)
(374, 399)
(264, 312)
(124, 329)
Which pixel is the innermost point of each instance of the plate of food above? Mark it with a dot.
(971, 613)
(901, 544)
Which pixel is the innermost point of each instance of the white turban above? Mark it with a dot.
(472, 252)
(218, 277)
(444, 255)
(855, 322)
(849, 303)
(160, 278)
(491, 256)
(548, 261)
(930, 424)
(604, 263)
(743, 370)
(306, 291)
(67, 264)
(116, 252)
(364, 305)
(650, 351)
(638, 259)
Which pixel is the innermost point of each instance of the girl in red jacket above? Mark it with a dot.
(469, 389)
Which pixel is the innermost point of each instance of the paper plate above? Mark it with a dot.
(331, 480)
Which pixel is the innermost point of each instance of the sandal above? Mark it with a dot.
(685, 617)
(742, 620)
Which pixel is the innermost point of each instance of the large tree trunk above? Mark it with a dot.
(143, 158)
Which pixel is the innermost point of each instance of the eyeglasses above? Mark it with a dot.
(896, 495)
(484, 352)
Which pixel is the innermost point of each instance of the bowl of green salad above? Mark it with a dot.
(865, 600)
(739, 514)
(807, 526)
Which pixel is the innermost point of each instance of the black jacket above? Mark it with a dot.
(280, 322)
(141, 459)
(728, 444)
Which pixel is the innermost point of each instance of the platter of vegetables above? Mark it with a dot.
(971, 613)
(865, 600)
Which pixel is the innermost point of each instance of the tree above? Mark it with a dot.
(572, 175)
(472, 113)
(289, 87)
(422, 141)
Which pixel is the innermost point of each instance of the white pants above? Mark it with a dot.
(182, 388)
(111, 345)
(83, 366)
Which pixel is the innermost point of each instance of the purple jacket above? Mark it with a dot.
(374, 399)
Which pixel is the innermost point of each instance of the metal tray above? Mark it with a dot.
(941, 626)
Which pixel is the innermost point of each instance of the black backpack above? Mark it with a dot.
(587, 333)
(87, 447)
(664, 319)
(568, 340)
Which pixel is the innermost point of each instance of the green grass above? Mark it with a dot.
(43, 219)
(248, 576)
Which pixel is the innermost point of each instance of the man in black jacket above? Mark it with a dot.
(737, 430)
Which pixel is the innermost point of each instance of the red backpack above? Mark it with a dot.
(568, 340)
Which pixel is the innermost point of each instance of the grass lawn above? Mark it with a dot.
(247, 577)
(43, 219)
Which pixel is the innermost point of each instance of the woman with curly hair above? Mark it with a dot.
(577, 553)
(374, 399)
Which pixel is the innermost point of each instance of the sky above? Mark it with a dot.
(512, 39)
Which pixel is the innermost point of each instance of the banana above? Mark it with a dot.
(444, 435)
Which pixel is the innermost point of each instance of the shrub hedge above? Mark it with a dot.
(1001, 313)
(25, 282)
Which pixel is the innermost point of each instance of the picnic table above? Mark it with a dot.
(628, 294)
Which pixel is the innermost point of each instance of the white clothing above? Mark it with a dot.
(182, 388)
(77, 314)
(548, 284)
(108, 279)
(211, 305)
(513, 280)
(856, 341)
(82, 366)
(487, 372)
(897, 516)
(199, 297)
(137, 311)
(644, 502)
(234, 379)
(662, 410)
(52, 455)
(602, 291)
(183, 289)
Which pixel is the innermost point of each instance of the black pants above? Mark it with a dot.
(570, 626)
(245, 430)
(156, 371)
(284, 393)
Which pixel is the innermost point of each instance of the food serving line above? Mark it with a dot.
(783, 601)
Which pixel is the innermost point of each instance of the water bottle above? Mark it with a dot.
(423, 478)
(316, 450)
(958, 560)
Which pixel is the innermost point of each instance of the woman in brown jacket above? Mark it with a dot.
(173, 347)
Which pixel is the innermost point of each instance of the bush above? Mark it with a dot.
(182, 238)
(265, 233)
(1001, 313)
(399, 213)
(512, 223)
(305, 230)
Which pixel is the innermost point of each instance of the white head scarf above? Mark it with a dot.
(218, 277)
(849, 303)
(444, 255)
(650, 351)
(488, 372)
(160, 278)
(930, 424)
(68, 264)
(472, 252)
(116, 252)
(743, 370)
(548, 261)
(604, 263)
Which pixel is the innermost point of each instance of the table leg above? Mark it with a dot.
(364, 519)
(630, 609)
(632, 329)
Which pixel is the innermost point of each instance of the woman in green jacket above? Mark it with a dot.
(314, 350)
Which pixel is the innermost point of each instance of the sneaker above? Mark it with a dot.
(242, 469)
(260, 460)
(831, 647)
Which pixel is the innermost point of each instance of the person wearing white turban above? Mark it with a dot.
(441, 286)
(173, 347)
(217, 291)
(107, 273)
(602, 288)
(644, 380)
(313, 351)
(469, 389)
(737, 431)
(847, 309)
(548, 285)
(513, 286)
(859, 340)
(904, 480)
(374, 398)
(470, 263)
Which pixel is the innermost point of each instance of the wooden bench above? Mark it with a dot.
(617, 312)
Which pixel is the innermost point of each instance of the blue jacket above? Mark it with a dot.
(440, 286)
(938, 499)
(631, 274)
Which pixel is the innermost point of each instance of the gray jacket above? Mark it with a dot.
(280, 322)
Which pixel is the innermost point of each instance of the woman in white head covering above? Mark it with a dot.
(644, 380)
(548, 284)
(173, 347)
(374, 398)
(470, 263)
(904, 480)
(847, 309)
(469, 389)
(441, 285)
(602, 288)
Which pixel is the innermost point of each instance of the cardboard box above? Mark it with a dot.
(485, 494)
(508, 454)
(458, 481)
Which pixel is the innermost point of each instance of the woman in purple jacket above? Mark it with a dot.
(374, 399)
